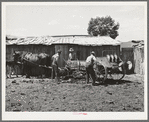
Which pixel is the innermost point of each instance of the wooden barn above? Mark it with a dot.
(82, 46)
(134, 51)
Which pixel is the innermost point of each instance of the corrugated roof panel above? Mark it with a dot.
(66, 40)
(38, 40)
(22, 41)
(95, 41)
(33, 40)
(63, 40)
(47, 41)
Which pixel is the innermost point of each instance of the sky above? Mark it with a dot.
(73, 19)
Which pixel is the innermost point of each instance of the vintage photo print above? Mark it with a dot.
(74, 61)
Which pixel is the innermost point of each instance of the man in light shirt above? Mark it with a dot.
(55, 71)
(90, 61)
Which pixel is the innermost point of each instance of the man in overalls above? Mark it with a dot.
(55, 71)
(90, 61)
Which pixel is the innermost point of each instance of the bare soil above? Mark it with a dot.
(39, 95)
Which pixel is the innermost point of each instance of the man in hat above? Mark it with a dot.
(90, 61)
(72, 55)
(55, 71)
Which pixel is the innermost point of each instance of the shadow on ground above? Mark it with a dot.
(113, 82)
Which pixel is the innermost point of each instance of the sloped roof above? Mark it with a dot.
(47, 40)
(131, 44)
(140, 44)
(30, 40)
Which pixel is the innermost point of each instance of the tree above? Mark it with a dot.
(103, 26)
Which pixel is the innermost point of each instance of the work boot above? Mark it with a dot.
(87, 80)
(58, 80)
(94, 84)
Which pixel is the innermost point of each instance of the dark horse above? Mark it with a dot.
(32, 62)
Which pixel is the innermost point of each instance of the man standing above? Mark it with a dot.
(90, 61)
(72, 55)
(55, 71)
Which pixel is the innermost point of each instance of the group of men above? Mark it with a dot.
(90, 61)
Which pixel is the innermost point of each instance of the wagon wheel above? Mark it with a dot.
(101, 73)
(118, 72)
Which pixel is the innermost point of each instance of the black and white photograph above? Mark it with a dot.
(74, 60)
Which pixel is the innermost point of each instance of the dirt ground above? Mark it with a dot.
(45, 95)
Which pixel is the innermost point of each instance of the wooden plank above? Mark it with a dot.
(104, 61)
(78, 50)
(138, 61)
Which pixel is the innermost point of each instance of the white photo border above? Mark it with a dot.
(70, 115)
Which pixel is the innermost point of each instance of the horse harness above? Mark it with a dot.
(44, 66)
